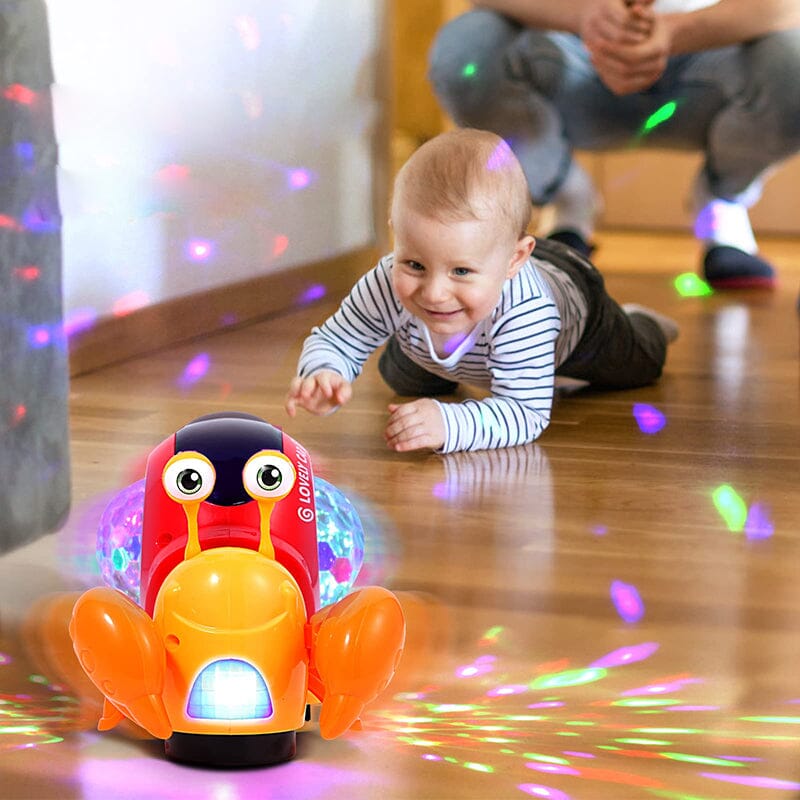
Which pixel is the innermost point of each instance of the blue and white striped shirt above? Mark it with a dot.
(512, 354)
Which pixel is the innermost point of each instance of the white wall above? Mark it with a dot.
(245, 125)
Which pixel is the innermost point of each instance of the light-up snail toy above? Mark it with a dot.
(212, 633)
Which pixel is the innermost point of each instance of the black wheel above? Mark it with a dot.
(223, 750)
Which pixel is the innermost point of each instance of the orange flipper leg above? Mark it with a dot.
(356, 646)
(121, 651)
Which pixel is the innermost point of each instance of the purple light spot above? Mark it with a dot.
(4, 659)
(500, 157)
(627, 601)
(754, 780)
(600, 530)
(315, 292)
(555, 769)
(444, 491)
(759, 523)
(504, 691)
(662, 688)
(199, 250)
(229, 319)
(649, 419)
(547, 792)
(549, 704)
(453, 343)
(194, 370)
(299, 178)
(577, 754)
(691, 708)
(626, 655)
(79, 320)
(38, 336)
(432, 757)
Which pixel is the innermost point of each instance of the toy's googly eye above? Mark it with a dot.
(268, 475)
(189, 477)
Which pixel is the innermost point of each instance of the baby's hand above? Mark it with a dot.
(321, 393)
(415, 426)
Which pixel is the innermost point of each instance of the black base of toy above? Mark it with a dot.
(222, 750)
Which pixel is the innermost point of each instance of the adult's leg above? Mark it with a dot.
(407, 378)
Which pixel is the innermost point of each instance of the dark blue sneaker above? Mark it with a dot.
(727, 267)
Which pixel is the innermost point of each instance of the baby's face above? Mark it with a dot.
(450, 274)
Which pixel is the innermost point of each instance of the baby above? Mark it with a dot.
(467, 296)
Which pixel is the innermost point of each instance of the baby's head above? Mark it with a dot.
(466, 174)
(459, 213)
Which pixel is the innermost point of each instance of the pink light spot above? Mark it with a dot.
(627, 601)
(195, 370)
(504, 691)
(546, 792)
(130, 303)
(279, 245)
(500, 157)
(199, 249)
(626, 655)
(299, 178)
(9, 222)
(79, 320)
(342, 570)
(20, 412)
(759, 523)
(173, 173)
(649, 419)
(247, 28)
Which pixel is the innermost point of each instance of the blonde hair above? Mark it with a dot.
(466, 174)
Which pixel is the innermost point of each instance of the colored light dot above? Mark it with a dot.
(759, 524)
(690, 285)
(573, 677)
(627, 601)
(38, 336)
(299, 178)
(341, 570)
(199, 250)
(660, 116)
(731, 507)
(279, 245)
(469, 69)
(649, 419)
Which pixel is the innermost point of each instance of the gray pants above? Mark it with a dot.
(616, 351)
(740, 105)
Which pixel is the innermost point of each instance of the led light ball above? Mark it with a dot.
(119, 540)
(341, 542)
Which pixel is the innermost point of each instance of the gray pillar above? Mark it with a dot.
(34, 440)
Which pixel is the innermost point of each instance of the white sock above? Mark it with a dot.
(577, 203)
(721, 222)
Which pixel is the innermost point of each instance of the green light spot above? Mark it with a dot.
(567, 733)
(545, 759)
(690, 285)
(580, 723)
(786, 720)
(669, 731)
(714, 762)
(37, 679)
(667, 795)
(451, 708)
(608, 747)
(525, 718)
(494, 632)
(478, 767)
(469, 69)
(571, 677)
(660, 116)
(645, 702)
(731, 507)
(451, 760)
(645, 742)
(19, 729)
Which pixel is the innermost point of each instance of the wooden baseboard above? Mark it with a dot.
(115, 339)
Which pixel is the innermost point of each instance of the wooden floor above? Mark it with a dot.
(611, 613)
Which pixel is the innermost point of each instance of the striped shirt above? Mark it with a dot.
(512, 354)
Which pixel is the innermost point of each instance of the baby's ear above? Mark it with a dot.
(522, 251)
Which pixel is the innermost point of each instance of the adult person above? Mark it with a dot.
(552, 77)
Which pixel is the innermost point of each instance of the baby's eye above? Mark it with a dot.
(461, 272)
(415, 266)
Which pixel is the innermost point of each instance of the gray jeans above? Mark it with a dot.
(616, 351)
(740, 105)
